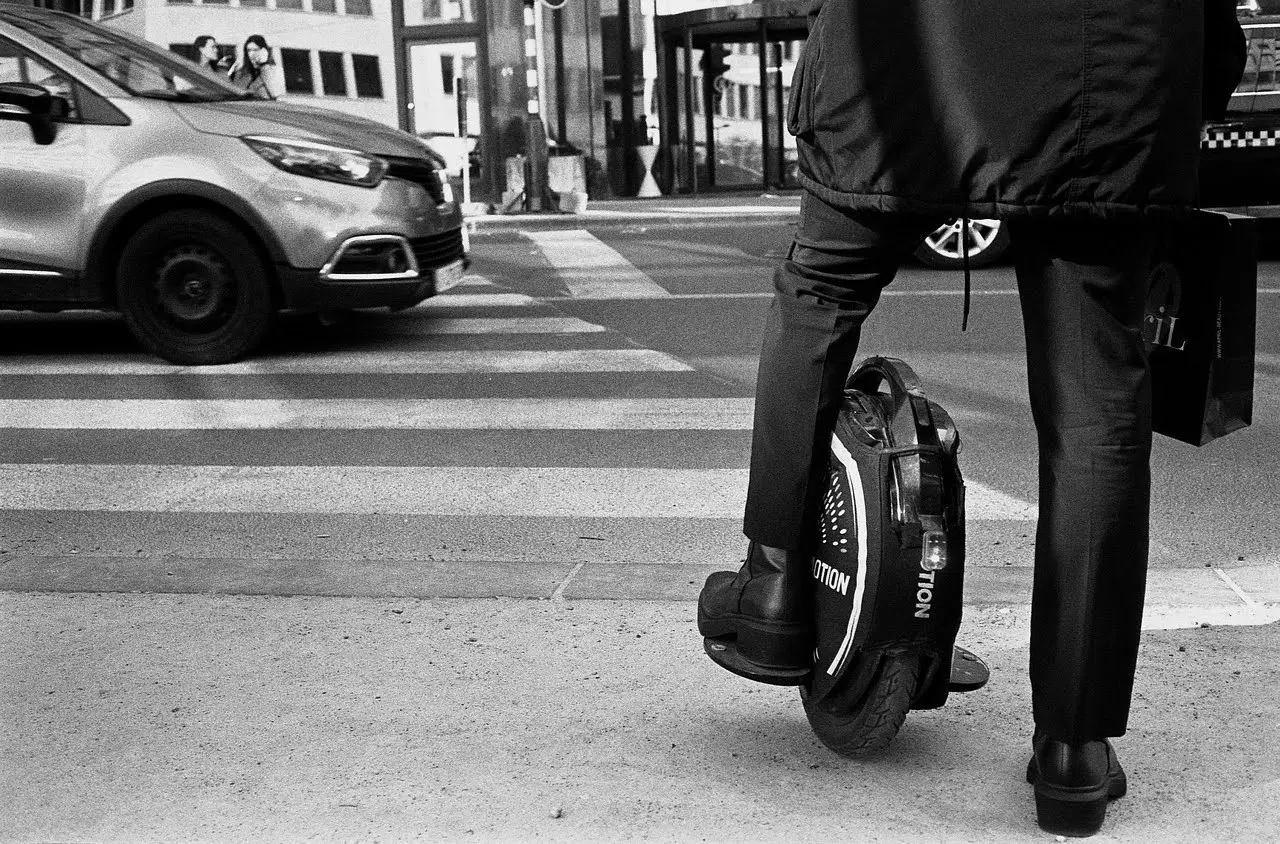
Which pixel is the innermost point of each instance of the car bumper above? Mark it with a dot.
(438, 263)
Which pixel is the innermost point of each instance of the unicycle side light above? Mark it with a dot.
(933, 551)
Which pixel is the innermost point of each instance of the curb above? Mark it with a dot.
(1175, 597)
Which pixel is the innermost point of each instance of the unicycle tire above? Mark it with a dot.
(862, 720)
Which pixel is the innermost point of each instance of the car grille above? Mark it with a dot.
(420, 172)
(437, 249)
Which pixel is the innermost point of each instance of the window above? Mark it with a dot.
(446, 73)
(297, 71)
(178, 2)
(187, 50)
(330, 6)
(744, 101)
(261, 4)
(289, 4)
(368, 76)
(417, 12)
(108, 7)
(17, 66)
(1259, 88)
(216, 2)
(333, 77)
(359, 7)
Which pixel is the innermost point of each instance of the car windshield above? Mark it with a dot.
(138, 67)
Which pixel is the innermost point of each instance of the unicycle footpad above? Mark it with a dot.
(968, 672)
(724, 652)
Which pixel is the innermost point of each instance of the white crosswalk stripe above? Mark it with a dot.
(356, 414)
(473, 300)
(591, 269)
(459, 361)
(439, 491)
(491, 325)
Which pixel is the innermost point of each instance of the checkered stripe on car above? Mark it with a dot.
(1228, 139)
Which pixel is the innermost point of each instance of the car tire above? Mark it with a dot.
(193, 290)
(943, 248)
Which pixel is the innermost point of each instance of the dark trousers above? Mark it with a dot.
(1082, 289)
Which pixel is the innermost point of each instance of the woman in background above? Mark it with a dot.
(250, 69)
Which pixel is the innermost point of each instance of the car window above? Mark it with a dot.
(140, 68)
(17, 65)
(1259, 88)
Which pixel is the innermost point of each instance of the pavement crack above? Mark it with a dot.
(1226, 578)
(558, 594)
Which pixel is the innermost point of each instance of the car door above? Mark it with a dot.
(42, 190)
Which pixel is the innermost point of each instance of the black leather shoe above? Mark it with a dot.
(762, 614)
(1073, 784)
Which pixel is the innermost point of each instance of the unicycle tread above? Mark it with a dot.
(857, 728)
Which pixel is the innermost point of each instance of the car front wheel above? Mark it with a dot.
(944, 247)
(193, 290)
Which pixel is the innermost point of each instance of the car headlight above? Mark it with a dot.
(319, 161)
(446, 189)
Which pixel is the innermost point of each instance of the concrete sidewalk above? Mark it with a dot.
(227, 717)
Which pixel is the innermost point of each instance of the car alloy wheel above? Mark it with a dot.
(943, 248)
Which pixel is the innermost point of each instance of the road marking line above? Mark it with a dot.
(1180, 618)
(488, 325)
(407, 490)
(473, 300)
(437, 491)
(381, 363)
(590, 269)
(769, 295)
(724, 414)
(1226, 578)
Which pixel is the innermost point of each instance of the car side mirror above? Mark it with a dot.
(33, 105)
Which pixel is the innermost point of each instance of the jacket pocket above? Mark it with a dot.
(800, 99)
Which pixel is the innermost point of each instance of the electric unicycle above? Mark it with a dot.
(887, 566)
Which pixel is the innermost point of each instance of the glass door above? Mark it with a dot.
(444, 108)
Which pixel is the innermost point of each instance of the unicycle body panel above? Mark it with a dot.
(888, 569)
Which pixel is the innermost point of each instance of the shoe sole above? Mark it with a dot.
(1073, 812)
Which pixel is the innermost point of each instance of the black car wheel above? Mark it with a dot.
(193, 289)
(944, 247)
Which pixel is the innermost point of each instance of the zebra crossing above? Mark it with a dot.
(482, 413)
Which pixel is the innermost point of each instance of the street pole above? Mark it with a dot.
(460, 92)
(535, 163)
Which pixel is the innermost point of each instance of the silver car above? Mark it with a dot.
(131, 179)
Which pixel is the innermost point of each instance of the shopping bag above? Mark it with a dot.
(1200, 324)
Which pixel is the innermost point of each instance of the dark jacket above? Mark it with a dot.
(999, 108)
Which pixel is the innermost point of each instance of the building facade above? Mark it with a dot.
(455, 73)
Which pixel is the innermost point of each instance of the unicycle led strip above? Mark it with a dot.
(860, 586)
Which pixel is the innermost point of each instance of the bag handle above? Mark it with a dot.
(903, 384)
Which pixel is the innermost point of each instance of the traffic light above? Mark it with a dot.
(713, 61)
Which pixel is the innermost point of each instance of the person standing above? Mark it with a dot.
(1077, 124)
(251, 66)
(208, 56)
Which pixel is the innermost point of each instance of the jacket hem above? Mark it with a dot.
(990, 209)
